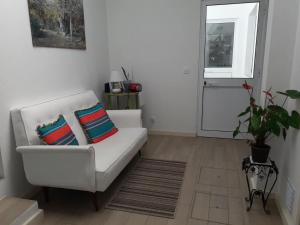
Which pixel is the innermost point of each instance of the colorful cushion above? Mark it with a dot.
(96, 123)
(57, 133)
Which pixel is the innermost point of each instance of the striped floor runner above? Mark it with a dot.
(152, 187)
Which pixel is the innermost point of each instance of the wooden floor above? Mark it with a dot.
(213, 191)
(15, 211)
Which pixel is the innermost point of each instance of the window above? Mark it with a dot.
(231, 40)
(219, 42)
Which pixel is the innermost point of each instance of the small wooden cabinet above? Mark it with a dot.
(123, 100)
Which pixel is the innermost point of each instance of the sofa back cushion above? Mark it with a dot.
(26, 119)
(96, 123)
(57, 133)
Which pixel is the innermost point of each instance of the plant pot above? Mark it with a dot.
(260, 154)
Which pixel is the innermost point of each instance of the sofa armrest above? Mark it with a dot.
(70, 167)
(126, 118)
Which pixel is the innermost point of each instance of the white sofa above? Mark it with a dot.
(85, 167)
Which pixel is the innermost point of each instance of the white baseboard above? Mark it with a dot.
(26, 215)
(36, 219)
(172, 133)
(2, 197)
(32, 193)
(284, 214)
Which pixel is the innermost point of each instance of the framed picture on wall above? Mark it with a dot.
(57, 23)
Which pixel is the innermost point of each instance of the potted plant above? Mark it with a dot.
(263, 122)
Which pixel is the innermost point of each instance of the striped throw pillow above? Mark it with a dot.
(57, 133)
(96, 123)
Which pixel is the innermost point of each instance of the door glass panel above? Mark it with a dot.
(231, 40)
(219, 42)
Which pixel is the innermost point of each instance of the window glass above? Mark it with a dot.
(219, 44)
(231, 40)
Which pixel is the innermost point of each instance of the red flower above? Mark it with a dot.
(247, 86)
(269, 96)
(268, 93)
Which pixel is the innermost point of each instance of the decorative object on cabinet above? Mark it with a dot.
(128, 98)
(135, 87)
(126, 75)
(126, 82)
(116, 82)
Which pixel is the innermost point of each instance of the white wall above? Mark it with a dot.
(29, 75)
(283, 35)
(251, 42)
(157, 39)
(290, 160)
(282, 72)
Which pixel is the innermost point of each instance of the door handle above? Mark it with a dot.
(217, 85)
(210, 84)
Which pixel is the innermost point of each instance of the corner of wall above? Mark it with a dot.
(267, 47)
(285, 216)
(107, 35)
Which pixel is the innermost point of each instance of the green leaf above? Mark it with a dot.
(237, 130)
(294, 120)
(279, 114)
(245, 112)
(282, 93)
(284, 121)
(275, 128)
(235, 133)
(255, 121)
(277, 108)
(293, 94)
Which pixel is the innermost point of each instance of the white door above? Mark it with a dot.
(232, 50)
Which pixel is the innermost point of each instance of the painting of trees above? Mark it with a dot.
(57, 23)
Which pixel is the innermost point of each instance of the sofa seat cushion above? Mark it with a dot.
(115, 152)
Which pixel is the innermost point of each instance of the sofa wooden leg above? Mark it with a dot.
(95, 201)
(46, 194)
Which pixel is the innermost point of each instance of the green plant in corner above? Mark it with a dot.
(268, 120)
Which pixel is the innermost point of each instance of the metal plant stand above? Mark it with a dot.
(259, 178)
